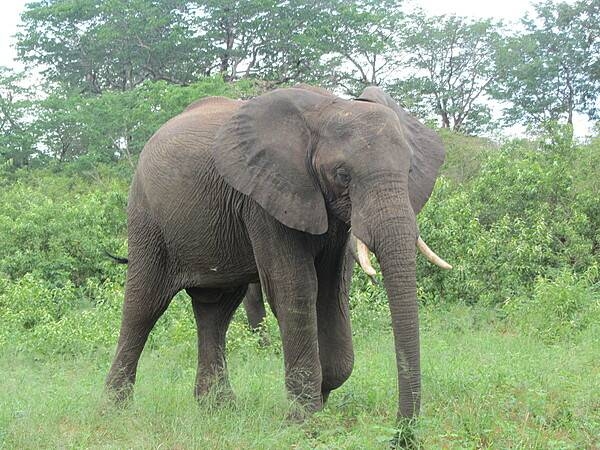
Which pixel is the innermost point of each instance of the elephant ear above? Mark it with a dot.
(426, 148)
(264, 151)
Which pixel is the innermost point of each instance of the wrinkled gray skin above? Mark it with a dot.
(229, 193)
(253, 301)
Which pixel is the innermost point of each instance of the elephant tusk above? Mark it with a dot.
(430, 255)
(360, 252)
(363, 258)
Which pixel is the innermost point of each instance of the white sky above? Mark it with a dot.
(507, 10)
(10, 11)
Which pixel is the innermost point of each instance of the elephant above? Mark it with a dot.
(274, 190)
(253, 301)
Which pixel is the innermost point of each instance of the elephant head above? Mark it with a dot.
(309, 159)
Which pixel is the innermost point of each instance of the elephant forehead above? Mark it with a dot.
(362, 129)
(360, 117)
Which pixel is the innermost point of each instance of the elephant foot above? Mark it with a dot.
(264, 340)
(297, 415)
(114, 401)
(300, 410)
(119, 391)
(262, 333)
(219, 394)
(405, 436)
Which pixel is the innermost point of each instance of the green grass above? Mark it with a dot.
(484, 386)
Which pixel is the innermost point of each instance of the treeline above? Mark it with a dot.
(520, 223)
(110, 71)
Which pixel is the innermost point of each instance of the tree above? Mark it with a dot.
(16, 141)
(552, 69)
(117, 124)
(453, 58)
(293, 45)
(300, 41)
(111, 44)
(99, 45)
(364, 35)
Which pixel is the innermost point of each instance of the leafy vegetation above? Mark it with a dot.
(452, 65)
(111, 71)
(527, 213)
(550, 71)
(483, 387)
(116, 125)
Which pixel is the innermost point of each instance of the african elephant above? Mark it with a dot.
(253, 301)
(274, 189)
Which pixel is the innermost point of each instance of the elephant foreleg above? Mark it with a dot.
(213, 311)
(295, 299)
(287, 273)
(333, 317)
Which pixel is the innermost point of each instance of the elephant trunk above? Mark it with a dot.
(389, 229)
(396, 255)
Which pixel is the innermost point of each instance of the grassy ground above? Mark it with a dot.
(484, 386)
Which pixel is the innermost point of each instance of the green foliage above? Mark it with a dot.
(95, 45)
(464, 155)
(363, 36)
(57, 226)
(58, 320)
(118, 48)
(16, 140)
(453, 66)
(560, 307)
(550, 71)
(523, 216)
(117, 124)
(115, 45)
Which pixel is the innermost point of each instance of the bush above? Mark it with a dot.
(560, 307)
(43, 319)
(57, 226)
(529, 212)
(117, 124)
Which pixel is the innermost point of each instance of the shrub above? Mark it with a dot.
(57, 226)
(560, 307)
(529, 212)
(43, 319)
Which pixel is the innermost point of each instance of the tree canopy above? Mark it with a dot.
(450, 66)
(106, 65)
(552, 69)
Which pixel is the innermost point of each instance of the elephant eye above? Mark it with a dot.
(342, 177)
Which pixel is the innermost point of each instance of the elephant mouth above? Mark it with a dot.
(360, 252)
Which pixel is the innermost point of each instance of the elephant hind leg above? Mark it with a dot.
(148, 291)
(141, 310)
(254, 306)
(256, 312)
(213, 311)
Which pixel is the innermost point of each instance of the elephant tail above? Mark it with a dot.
(116, 259)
